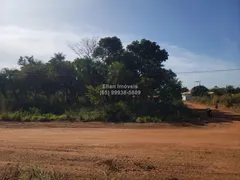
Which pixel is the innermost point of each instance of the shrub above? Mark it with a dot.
(88, 114)
(15, 116)
(118, 112)
(49, 117)
(34, 111)
(63, 117)
(225, 100)
(236, 100)
(27, 117)
(145, 119)
(4, 117)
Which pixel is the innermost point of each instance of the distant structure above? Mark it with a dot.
(186, 96)
(211, 93)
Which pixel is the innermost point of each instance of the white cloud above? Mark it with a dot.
(18, 41)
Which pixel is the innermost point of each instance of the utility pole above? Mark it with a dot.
(199, 83)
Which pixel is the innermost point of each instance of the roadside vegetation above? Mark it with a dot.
(59, 89)
(118, 112)
(228, 97)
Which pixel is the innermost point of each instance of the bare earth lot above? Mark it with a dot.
(99, 151)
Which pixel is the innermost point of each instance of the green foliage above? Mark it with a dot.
(34, 111)
(59, 89)
(225, 90)
(151, 56)
(108, 48)
(219, 91)
(60, 85)
(94, 95)
(118, 112)
(16, 116)
(116, 73)
(236, 99)
(199, 91)
(30, 117)
(89, 114)
(148, 119)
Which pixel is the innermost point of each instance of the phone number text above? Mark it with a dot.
(120, 92)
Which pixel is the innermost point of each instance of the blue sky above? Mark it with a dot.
(198, 34)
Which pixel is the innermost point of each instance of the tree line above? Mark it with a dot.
(59, 85)
(218, 91)
(228, 96)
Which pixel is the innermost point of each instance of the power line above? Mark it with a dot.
(210, 71)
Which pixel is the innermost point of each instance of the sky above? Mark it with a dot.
(198, 35)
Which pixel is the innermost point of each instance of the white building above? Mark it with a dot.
(186, 96)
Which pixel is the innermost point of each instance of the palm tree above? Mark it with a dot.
(58, 57)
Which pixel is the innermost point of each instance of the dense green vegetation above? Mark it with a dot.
(225, 90)
(199, 91)
(60, 89)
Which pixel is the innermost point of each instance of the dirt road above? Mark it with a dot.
(123, 153)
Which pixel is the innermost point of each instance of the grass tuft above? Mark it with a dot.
(15, 172)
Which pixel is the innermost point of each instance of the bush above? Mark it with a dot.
(34, 111)
(225, 100)
(145, 119)
(88, 114)
(236, 100)
(16, 116)
(27, 117)
(118, 112)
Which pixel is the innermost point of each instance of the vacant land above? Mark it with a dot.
(99, 151)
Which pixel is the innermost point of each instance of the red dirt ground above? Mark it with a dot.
(126, 151)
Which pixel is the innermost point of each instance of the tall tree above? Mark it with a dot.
(148, 64)
(58, 57)
(149, 56)
(199, 91)
(85, 47)
(185, 89)
(230, 89)
(109, 49)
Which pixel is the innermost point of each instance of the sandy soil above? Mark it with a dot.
(95, 151)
